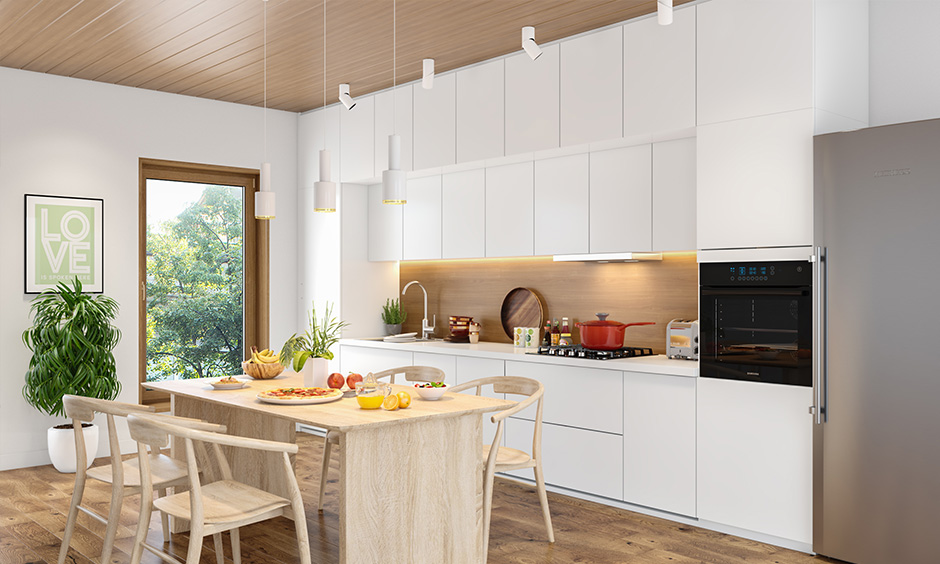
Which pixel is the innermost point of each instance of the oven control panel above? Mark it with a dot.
(786, 273)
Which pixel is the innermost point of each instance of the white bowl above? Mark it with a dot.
(431, 394)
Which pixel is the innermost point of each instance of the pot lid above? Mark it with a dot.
(601, 321)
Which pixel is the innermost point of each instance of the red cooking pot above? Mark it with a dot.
(603, 335)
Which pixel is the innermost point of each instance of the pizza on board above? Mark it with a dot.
(300, 393)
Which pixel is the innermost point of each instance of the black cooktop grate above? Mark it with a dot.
(578, 351)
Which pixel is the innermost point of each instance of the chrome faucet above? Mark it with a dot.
(426, 328)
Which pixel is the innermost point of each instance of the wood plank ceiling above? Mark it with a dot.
(214, 48)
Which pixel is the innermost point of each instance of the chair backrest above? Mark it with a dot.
(81, 409)
(515, 385)
(412, 374)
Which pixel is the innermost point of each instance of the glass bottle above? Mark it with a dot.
(556, 334)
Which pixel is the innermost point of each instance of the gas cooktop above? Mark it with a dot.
(577, 351)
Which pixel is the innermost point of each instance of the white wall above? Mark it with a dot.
(73, 137)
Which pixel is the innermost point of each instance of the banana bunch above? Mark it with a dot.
(267, 356)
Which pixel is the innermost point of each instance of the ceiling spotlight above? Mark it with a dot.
(427, 79)
(664, 11)
(345, 98)
(529, 44)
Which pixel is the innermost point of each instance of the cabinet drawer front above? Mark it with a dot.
(581, 460)
(589, 398)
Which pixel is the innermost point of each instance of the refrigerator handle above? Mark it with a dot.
(820, 380)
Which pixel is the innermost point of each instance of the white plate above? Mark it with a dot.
(307, 401)
(234, 386)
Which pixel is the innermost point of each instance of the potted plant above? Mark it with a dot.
(314, 344)
(393, 316)
(72, 340)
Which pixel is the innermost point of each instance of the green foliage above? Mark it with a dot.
(392, 313)
(316, 341)
(71, 340)
(194, 290)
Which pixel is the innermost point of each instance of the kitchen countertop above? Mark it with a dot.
(657, 364)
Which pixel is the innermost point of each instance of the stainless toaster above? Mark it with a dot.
(682, 339)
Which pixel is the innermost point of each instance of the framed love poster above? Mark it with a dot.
(64, 240)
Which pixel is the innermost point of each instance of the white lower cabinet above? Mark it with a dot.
(659, 441)
(364, 360)
(445, 362)
(470, 368)
(586, 461)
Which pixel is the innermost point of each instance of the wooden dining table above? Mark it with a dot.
(411, 480)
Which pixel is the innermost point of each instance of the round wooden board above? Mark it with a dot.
(521, 308)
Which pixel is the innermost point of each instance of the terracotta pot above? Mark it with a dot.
(604, 335)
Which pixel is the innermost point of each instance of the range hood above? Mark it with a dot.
(608, 257)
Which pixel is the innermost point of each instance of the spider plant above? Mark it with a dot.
(315, 342)
(71, 340)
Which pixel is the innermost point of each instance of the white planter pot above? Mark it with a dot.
(316, 371)
(62, 447)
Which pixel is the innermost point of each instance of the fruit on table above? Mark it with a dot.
(404, 399)
(352, 379)
(267, 356)
(335, 380)
(390, 403)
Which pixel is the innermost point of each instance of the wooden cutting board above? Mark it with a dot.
(521, 308)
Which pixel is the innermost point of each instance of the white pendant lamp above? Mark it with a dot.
(264, 198)
(529, 44)
(427, 77)
(324, 191)
(664, 11)
(394, 180)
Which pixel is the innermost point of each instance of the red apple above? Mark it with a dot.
(335, 380)
(352, 379)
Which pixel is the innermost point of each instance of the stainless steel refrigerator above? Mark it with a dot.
(876, 471)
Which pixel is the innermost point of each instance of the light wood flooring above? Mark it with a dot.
(33, 503)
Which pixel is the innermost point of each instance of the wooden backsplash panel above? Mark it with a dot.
(658, 291)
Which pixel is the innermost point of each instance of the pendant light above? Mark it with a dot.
(264, 198)
(324, 191)
(394, 181)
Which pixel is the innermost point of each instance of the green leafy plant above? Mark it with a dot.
(392, 313)
(71, 340)
(315, 342)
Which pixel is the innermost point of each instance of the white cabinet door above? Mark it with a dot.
(532, 98)
(463, 210)
(755, 446)
(755, 57)
(592, 87)
(364, 359)
(357, 141)
(385, 227)
(480, 112)
(445, 362)
(621, 200)
(561, 205)
(422, 219)
(659, 74)
(577, 459)
(659, 442)
(755, 182)
(510, 209)
(393, 114)
(471, 368)
(435, 123)
(674, 195)
(589, 398)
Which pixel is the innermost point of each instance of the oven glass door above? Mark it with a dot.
(757, 334)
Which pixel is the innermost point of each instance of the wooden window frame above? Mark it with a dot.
(256, 265)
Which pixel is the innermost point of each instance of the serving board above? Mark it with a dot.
(521, 308)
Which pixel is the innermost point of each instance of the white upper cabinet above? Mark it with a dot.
(532, 94)
(755, 182)
(385, 225)
(674, 195)
(561, 205)
(463, 212)
(393, 114)
(422, 219)
(621, 200)
(592, 87)
(659, 74)
(480, 112)
(435, 120)
(509, 210)
(755, 57)
(357, 134)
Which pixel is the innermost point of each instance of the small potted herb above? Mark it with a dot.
(393, 316)
(313, 345)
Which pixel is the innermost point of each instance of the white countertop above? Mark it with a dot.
(658, 364)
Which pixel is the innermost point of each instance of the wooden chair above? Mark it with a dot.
(503, 459)
(411, 374)
(122, 475)
(216, 507)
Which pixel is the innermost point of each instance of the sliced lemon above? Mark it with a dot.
(390, 403)
(404, 399)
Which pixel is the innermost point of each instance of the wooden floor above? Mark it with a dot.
(34, 501)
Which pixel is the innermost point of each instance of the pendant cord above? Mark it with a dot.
(265, 57)
(324, 65)
(394, 65)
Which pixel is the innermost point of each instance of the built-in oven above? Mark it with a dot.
(756, 321)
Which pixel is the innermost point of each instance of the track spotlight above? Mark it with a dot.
(529, 44)
(664, 11)
(427, 79)
(345, 98)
